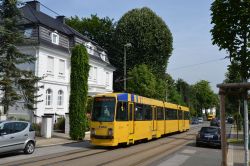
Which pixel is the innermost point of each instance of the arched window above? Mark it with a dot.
(60, 98)
(49, 97)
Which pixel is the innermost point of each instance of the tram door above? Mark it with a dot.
(180, 119)
(131, 118)
(183, 121)
(154, 118)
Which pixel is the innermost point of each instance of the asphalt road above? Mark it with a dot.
(190, 155)
(177, 149)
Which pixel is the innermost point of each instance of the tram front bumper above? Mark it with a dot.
(103, 140)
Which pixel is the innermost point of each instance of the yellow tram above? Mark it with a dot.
(125, 118)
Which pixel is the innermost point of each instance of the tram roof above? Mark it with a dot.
(143, 100)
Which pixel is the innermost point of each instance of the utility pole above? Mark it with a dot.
(246, 140)
(125, 66)
(223, 128)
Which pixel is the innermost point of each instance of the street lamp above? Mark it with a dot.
(125, 73)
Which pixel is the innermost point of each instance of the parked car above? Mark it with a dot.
(200, 119)
(17, 135)
(194, 121)
(215, 122)
(209, 136)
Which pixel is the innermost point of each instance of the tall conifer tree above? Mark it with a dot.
(78, 92)
(16, 83)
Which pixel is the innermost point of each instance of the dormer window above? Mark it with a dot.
(55, 38)
(103, 56)
(90, 48)
(28, 33)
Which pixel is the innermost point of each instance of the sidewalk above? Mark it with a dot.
(236, 152)
(57, 139)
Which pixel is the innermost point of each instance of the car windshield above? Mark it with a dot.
(103, 109)
(209, 130)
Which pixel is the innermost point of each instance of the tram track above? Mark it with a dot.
(173, 139)
(62, 157)
(48, 160)
(178, 143)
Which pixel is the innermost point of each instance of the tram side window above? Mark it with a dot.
(122, 111)
(166, 114)
(180, 114)
(160, 114)
(138, 112)
(147, 110)
(171, 114)
(186, 115)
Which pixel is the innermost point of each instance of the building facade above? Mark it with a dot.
(50, 40)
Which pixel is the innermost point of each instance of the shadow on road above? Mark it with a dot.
(193, 144)
(11, 154)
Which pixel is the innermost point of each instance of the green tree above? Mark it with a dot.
(203, 97)
(184, 90)
(78, 92)
(98, 29)
(151, 42)
(231, 31)
(161, 89)
(232, 101)
(141, 81)
(16, 82)
(172, 94)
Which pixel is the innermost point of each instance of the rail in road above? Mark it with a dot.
(133, 155)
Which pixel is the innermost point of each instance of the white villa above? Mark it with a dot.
(50, 40)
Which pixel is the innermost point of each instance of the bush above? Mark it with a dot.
(78, 96)
(60, 125)
(37, 128)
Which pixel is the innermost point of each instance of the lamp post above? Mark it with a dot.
(125, 65)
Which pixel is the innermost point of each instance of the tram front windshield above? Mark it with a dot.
(103, 109)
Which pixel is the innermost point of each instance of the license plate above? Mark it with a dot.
(209, 136)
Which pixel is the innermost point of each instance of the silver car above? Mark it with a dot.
(17, 135)
(200, 119)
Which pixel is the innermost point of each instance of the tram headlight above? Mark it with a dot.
(92, 131)
(110, 132)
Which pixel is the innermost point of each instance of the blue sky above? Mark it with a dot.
(189, 22)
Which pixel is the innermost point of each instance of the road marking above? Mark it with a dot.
(177, 160)
(188, 151)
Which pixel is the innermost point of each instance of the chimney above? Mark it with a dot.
(61, 19)
(34, 5)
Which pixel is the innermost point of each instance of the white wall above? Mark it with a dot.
(99, 85)
(54, 82)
